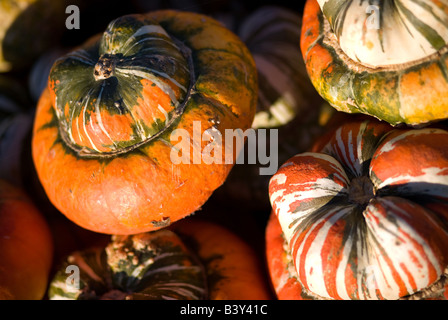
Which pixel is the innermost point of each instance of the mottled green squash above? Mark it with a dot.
(152, 266)
(191, 260)
(388, 60)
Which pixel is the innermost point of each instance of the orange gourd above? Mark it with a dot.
(26, 247)
(103, 134)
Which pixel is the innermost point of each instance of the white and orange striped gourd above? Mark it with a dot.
(365, 214)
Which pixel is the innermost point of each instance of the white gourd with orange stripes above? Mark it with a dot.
(366, 216)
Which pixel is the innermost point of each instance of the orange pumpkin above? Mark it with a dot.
(103, 137)
(232, 264)
(26, 247)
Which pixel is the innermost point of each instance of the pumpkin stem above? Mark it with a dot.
(361, 190)
(105, 67)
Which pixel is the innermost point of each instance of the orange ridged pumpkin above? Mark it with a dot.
(103, 143)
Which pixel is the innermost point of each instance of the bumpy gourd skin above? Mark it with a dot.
(141, 189)
(411, 93)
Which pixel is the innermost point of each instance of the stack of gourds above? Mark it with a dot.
(102, 145)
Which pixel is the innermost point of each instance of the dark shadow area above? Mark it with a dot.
(35, 29)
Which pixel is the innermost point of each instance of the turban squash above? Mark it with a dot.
(26, 246)
(364, 214)
(389, 60)
(190, 260)
(106, 128)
